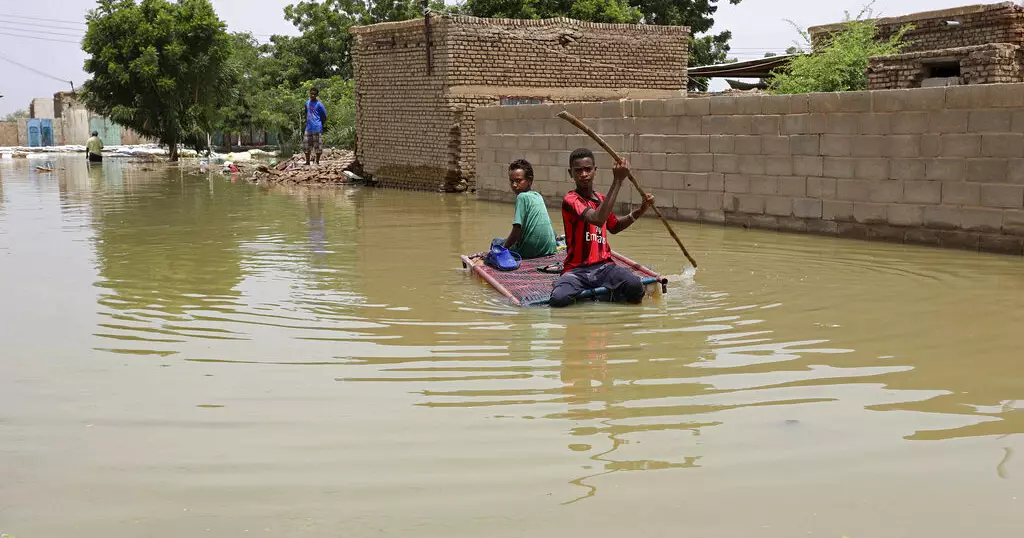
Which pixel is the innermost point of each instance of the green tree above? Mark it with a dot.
(241, 110)
(285, 111)
(612, 11)
(324, 48)
(288, 60)
(162, 68)
(840, 63)
(707, 49)
(17, 115)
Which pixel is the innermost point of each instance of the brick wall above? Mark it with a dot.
(978, 25)
(417, 130)
(563, 53)
(983, 64)
(8, 133)
(995, 64)
(558, 60)
(941, 166)
(403, 121)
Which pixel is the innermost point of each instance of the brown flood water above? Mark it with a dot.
(183, 356)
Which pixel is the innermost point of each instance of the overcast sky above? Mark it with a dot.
(50, 30)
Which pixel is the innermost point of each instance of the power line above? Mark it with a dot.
(80, 23)
(30, 24)
(34, 25)
(42, 38)
(41, 19)
(34, 31)
(34, 70)
(74, 33)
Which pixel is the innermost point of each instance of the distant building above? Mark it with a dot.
(977, 44)
(64, 121)
(417, 89)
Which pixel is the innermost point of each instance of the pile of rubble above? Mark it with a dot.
(335, 168)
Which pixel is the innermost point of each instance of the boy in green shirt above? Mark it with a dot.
(532, 235)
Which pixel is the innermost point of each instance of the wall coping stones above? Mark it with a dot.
(465, 20)
(954, 52)
(982, 96)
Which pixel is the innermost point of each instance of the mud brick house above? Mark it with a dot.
(418, 83)
(978, 44)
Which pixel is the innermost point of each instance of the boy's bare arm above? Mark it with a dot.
(514, 236)
(628, 220)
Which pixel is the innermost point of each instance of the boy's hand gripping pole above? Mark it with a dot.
(583, 127)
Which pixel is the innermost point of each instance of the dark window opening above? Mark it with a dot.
(511, 100)
(944, 70)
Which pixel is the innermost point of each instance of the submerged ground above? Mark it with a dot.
(186, 355)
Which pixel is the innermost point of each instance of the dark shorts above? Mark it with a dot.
(623, 283)
(313, 142)
(95, 157)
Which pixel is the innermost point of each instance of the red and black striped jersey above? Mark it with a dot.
(586, 244)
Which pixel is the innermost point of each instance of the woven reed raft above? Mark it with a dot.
(526, 286)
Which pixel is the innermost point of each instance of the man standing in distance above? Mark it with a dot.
(94, 148)
(315, 120)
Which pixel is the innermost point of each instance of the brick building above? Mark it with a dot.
(419, 82)
(978, 44)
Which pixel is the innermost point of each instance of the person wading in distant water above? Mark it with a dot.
(315, 121)
(588, 217)
(94, 148)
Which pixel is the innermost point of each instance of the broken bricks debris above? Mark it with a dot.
(336, 168)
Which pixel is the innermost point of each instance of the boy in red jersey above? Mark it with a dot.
(588, 218)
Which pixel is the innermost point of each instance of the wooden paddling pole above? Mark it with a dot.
(597, 138)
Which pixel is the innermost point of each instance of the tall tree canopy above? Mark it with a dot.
(162, 68)
(324, 48)
(705, 49)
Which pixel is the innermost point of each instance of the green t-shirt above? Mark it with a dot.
(94, 145)
(538, 236)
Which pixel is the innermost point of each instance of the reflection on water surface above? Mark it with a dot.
(187, 353)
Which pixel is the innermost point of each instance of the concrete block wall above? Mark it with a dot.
(72, 128)
(75, 120)
(939, 166)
